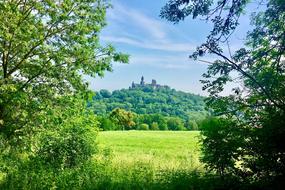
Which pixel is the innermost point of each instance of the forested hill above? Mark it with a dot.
(149, 99)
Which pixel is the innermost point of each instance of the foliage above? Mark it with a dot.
(222, 144)
(149, 119)
(191, 125)
(143, 126)
(45, 48)
(164, 101)
(175, 124)
(66, 148)
(47, 134)
(152, 106)
(258, 107)
(122, 118)
(53, 154)
(154, 126)
(106, 124)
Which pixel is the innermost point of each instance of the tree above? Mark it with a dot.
(143, 126)
(106, 124)
(154, 126)
(191, 125)
(105, 93)
(63, 143)
(122, 118)
(175, 124)
(259, 106)
(45, 49)
(221, 142)
(166, 102)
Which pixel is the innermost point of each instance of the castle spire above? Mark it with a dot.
(142, 81)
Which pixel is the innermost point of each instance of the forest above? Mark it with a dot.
(57, 133)
(147, 107)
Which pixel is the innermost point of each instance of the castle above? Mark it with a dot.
(153, 84)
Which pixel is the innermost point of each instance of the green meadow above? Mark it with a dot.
(161, 149)
(149, 160)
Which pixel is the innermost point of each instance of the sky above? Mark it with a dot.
(158, 49)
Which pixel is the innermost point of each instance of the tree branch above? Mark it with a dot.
(236, 67)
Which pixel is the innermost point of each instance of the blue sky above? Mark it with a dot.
(158, 49)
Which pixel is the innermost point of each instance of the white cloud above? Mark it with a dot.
(129, 15)
(163, 45)
(166, 62)
(132, 27)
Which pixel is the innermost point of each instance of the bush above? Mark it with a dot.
(106, 124)
(66, 148)
(154, 126)
(191, 125)
(143, 126)
(56, 156)
(221, 142)
(175, 124)
(163, 127)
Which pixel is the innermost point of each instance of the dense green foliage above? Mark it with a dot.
(149, 108)
(148, 100)
(45, 48)
(218, 155)
(251, 128)
(48, 130)
(54, 154)
(120, 119)
(47, 136)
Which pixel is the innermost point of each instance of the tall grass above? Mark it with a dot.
(148, 160)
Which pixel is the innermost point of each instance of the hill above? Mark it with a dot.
(150, 98)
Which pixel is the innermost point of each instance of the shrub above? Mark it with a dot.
(154, 126)
(191, 125)
(66, 148)
(143, 126)
(175, 124)
(221, 142)
(106, 124)
(57, 156)
(163, 127)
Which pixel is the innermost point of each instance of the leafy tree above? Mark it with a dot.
(45, 48)
(122, 118)
(143, 126)
(258, 106)
(105, 93)
(175, 124)
(221, 144)
(191, 125)
(154, 126)
(106, 124)
(64, 142)
(165, 101)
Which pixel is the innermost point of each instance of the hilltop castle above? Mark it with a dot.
(153, 84)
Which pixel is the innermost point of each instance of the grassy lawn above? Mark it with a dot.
(160, 149)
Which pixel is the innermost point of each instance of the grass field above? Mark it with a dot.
(162, 149)
(148, 159)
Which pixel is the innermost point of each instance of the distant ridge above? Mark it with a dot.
(150, 98)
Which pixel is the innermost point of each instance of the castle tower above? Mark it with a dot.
(153, 82)
(142, 81)
(133, 85)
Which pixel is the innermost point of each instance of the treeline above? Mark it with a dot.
(120, 119)
(148, 100)
(148, 108)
